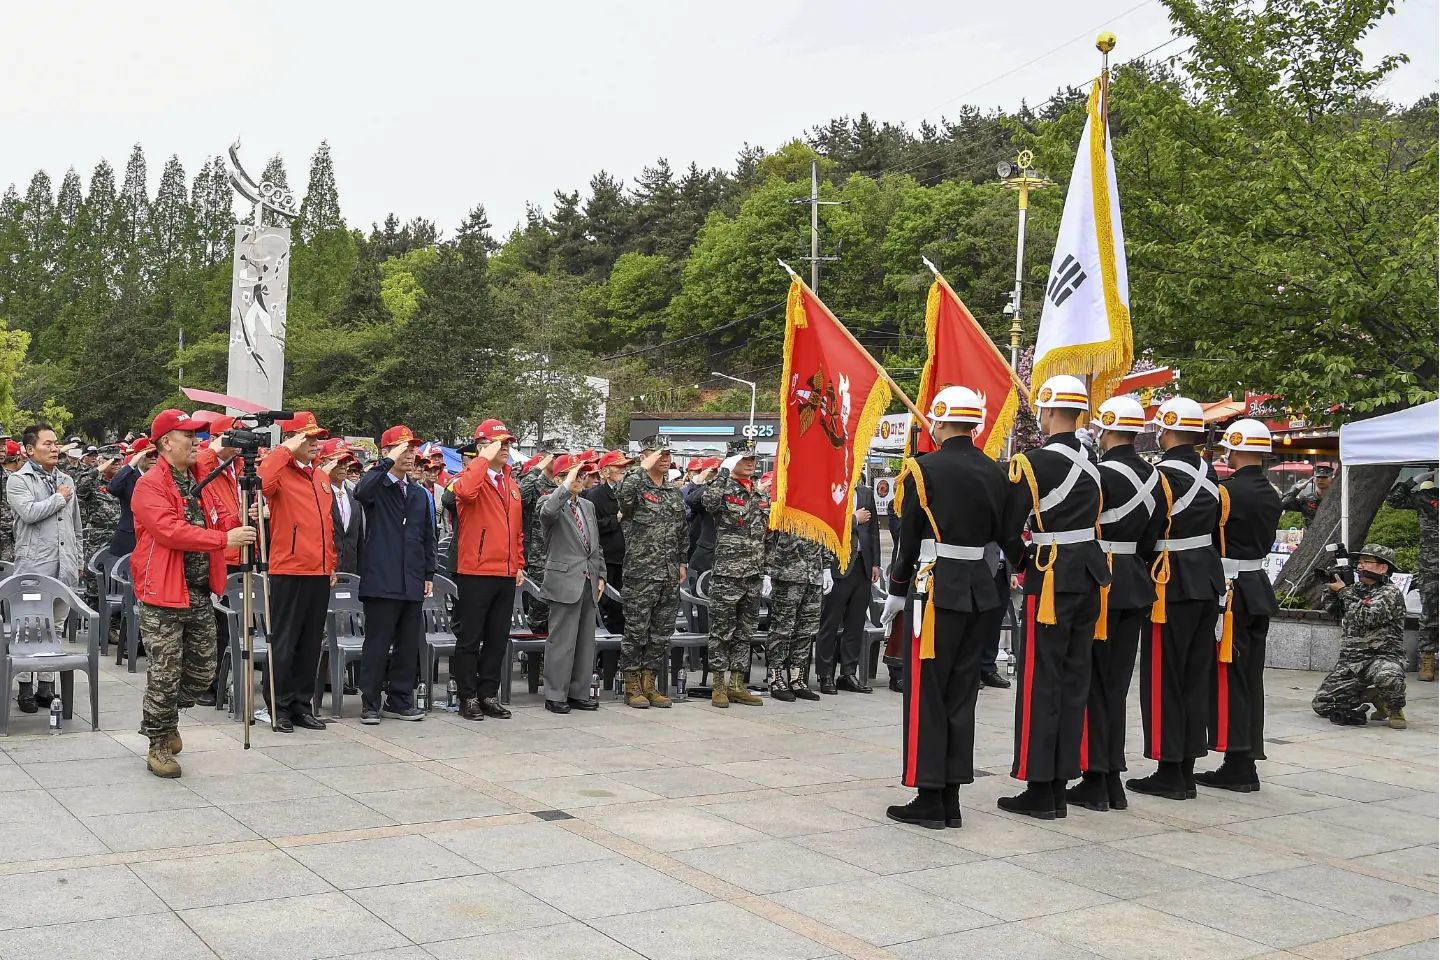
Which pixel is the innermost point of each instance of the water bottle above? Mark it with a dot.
(595, 686)
(422, 697)
(680, 681)
(57, 716)
(452, 696)
(1009, 666)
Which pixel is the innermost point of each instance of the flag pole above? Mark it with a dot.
(1014, 377)
(884, 374)
(1105, 43)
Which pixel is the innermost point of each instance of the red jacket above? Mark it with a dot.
(302, 533)
(489, 524)
(225, 487)
(163, 537)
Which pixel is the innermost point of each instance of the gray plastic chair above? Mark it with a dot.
(107, 596)
(233, 609)
(32, 638)
(129, 613)
(440, 637)
(523, 640)
(344, 640)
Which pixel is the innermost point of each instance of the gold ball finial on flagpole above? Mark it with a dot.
(1105, 42)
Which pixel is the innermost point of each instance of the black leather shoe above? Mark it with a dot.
(1165, 782)
(586, 704)
(895, 683)
(44, 693)
(283, 725)
(926, 810)
(1115, 787)
(26, 698)
(1236, 773)
(308, 721)
(1090, 793)
(1057, 793)
(991, 678)
(950, 797)
(1037, 801)
(850, 684)
(470, 710)
(827, 686)
(492, 707)
(555, 706)
(206, 699)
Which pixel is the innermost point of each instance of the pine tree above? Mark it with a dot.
(655, 196)
(101, 219)
(134, 206)
(320, 210)
(170, 241)
(274, 172)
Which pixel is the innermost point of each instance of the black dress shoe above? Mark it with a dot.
(492, 707)
(1057, 793)
(1091, 793)
(850, 684)
(26, 698)
(555, 706)
(895, 684)
(1115, 787)
(283, 725)
(1236, 773)
(1037, 801)
(206, 699)
(470, 710)
(950, 797)
(827, 686)
(1165, 782)
(44, 693)
(991, 678)
(586, 704)
(308, 721)
(926, 810)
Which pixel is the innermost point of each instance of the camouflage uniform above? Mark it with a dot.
(1372, 651)
(535, 487)
(656, 543)
(1419, 494)
(7, 522)
(740, 514)
(180, 643)
(795, 566)
(100, 513)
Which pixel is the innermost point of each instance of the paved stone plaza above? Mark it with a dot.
(693, 832)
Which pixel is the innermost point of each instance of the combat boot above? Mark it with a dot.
(800, 688)
(652, 694)
(176, 744)
(160, 760)
(779, 688)
(738, 692)
(1236, 773)
(1091, 792)
(1381, 712)
(719, 693)
(926, 810)
(1037, 800)
(1397, 719)
(1167, 781)
(635, 691)
(1427, 667)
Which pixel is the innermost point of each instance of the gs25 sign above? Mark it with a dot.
(755, 431)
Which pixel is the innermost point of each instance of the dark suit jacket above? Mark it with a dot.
(347, 539)
(607, 517)
(121, 486)
(864, 538)
(400, 537)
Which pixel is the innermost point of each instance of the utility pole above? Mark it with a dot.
(815, 204)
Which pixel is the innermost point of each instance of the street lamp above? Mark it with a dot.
(748, 383)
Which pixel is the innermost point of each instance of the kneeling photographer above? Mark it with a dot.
(1371, 666)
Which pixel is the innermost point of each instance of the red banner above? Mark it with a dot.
(831, 397)
(962, 354)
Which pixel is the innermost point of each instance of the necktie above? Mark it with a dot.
(580, 524)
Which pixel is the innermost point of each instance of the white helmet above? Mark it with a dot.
(1247, 435)
(1180, 414)
(958, 405)
(1063, 391)
(1121, 414)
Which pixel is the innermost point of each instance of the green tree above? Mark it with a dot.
(320, 210)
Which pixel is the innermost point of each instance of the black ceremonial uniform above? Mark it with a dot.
(944, 564)
(1053, 669)
(1237, 697)
(1129, 525)
(1176, 661)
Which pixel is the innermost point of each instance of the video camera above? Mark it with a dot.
(245, 434)
(1339, 565)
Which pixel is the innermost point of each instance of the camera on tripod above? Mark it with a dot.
(244, 435)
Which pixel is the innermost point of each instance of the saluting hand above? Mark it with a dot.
(295, 442)
(572, 480)
(396, 452)
(650, 459)
(490, 451)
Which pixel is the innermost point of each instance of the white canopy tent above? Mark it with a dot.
(1406, 436)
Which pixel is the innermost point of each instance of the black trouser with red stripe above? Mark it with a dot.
(1112, 664)
(1053, 674)
(1237, 694)
(939, 700)
(1176, 662)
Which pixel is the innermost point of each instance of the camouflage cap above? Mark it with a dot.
(657, 442)
(1377, 551)
(554, 445)
(741, 448)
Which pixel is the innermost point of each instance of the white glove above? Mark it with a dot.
(893, 605)
(766, 586)
(827, 581)
(729, 464)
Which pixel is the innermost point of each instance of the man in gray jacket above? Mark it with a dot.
(574, 581)
(49, 537)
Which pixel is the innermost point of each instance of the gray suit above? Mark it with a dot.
(574, 567)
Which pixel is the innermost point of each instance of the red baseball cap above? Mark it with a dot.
(396, 434)
(219, 423)
(492, 430)
(204, 416)
(567, 461)
(613, 458)
(332, 448)
(12, 449)
(304, 422)
(167, 421)
(768, 478)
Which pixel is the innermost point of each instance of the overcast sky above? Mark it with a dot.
(431, 107)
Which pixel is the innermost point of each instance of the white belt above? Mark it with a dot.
(1232, 567)
(1185, 543)
(930, 550)
(1083, 535)
(1119, 546)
